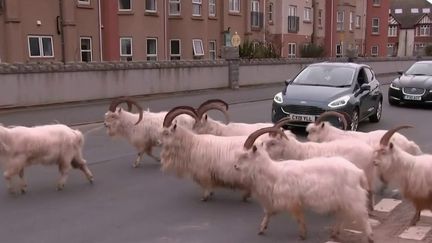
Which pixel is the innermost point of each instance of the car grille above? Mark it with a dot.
(300, 109)
(413, 91)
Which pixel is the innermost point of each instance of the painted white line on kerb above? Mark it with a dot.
(426, 213)
(387, 205)
(415, 233)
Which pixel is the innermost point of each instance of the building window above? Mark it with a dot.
(374, 51)
(255, 14)
(126, 48)
(150, 5)
(174, 7)
(86, 49)
(358, 21)
(40, 46)
(391, 50)
(84, 2)
(426, 10)
(125, 5)
(196, 7)
(375, 26)
(423, 30)
(293, 19)
(418, 48)
(234, 6)
(340, 20)
(414, 10)
(175, 49)
(151, 49)
(198, 49)
(320, 17)
(376, 2)
(351, 21)
(398, 11)
(392, 30)
(291, 50)
(339, 50)
(307, 14)
(212, 8)
(270, 12)
(212, 50)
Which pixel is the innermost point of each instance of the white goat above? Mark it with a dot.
(412, 174)
(355, 151)
(140, 130)
(207, 159)
(322, 131)
(56, 144)
(325, 185)
(207, 125)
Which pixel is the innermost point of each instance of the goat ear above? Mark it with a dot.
(120, 110)
(174, 127)
(254, 148)
(391, 146)
(205, 117)
(322, 124)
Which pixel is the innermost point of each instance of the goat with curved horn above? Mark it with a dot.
(251, 139)
(176, 111)
(129, 102)
(283, 122)
(386, 137)
(213, 105)
(332, 113)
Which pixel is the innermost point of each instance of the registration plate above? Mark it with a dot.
(411, 97)
(303, 118)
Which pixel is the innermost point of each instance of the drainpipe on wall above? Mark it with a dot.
(165, 29)
(331, 28)
(264, 22)
(63, 59)
(100, 31)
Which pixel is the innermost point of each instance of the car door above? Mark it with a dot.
(362, 96)
(374, 93)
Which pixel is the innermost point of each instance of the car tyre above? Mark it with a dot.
(377, 116)
(355, 119)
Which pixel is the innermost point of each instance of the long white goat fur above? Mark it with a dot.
(324, 131)
(330, 184)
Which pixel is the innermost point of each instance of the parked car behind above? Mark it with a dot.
(330, 86)
(413, 86)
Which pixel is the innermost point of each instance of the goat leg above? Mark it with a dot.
(23, 182)
(265, 221)
(416, 218)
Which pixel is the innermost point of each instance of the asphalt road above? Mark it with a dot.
(145, 205)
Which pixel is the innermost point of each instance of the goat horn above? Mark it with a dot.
(253, 136)
(218, 101)
(203, 108)
(332, 113)
(282, 122)
(129, 103)
(386, 137)
(176, 111)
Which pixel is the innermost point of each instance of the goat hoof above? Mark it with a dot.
(23, 190)
(302, 237)
(91, 180)
(60, 187)
(204, 199)
(261, 232)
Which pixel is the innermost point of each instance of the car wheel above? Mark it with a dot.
(355, 120)
(377, 116)
(393, 102)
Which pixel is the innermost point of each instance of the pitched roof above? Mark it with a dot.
(407, 19)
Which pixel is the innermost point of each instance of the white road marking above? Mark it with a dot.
(426, 213)
(415, 233)
(387, 205)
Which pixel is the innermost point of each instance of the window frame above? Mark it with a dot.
(376, 3)
(351, 21)
(90, 50)
(84, 2)
(212, 6)
(270, 12)
(319, 17)
(358, 21)
(175, 55)
(424, 30)
(340, 54)
(214, 51)
(174, 2)
(40, 44)
(124, 9)
(151, 10)
(307, 13)
(372, 51)
(392, 31)
(232, 4)
(340, 21)
(199, 4)
(149, 57)
(292, 47)
(195, 51)
(375, 26)
(131, 46)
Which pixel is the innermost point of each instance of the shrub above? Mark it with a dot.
(312, 50)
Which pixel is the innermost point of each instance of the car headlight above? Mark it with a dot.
(339, 102)
(393, 86)
(278, 98)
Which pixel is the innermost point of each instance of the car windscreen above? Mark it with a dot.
(420, 69)
(326, 75)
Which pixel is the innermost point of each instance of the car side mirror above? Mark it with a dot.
(400, 72)
(287, 82)
(364, 87)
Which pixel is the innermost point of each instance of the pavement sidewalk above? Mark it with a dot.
(79, 113)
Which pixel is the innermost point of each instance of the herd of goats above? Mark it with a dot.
(336, 171)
